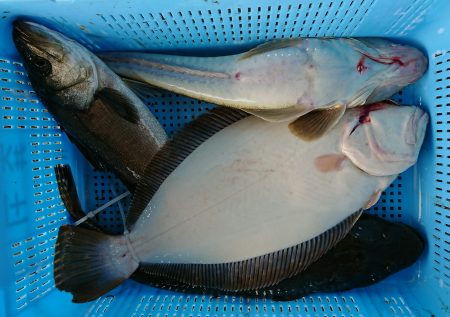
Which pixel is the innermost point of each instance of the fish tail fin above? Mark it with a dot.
(69, 196)
(89, 264)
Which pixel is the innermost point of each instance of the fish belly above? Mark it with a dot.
(249, 190)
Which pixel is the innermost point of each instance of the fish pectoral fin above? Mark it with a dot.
(270, 46)
(316, 123)
(276, 115)
(117, 101)
(69, 196)
(142, 89)
(332, 162)
(373, 199)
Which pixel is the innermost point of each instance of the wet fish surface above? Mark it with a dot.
(284, 79)
(108, 123)
(237, 203)
(373, 250)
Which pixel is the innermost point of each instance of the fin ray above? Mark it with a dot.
(268, 269)
(87, 265)
(316, 123)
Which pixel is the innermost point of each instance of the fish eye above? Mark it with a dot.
(42, 65)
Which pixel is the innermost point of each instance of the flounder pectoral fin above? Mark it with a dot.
(316, 123)
(373, 199)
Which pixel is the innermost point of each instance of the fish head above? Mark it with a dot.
(383, 138)
(401, 65)
(58, 67)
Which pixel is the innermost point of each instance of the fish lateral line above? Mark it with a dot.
(170, 68)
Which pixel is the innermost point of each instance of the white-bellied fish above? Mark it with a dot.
(237, 203)
(284, 79)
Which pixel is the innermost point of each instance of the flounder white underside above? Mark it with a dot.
(254, 191)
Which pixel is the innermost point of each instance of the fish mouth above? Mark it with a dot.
(24, 34)
(32, 39)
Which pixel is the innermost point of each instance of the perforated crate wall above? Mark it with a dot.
(31, 143)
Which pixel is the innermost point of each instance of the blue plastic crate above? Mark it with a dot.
(31, 143)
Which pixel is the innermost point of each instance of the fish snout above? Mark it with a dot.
(413, 63)
(27, 32)
(417, 127)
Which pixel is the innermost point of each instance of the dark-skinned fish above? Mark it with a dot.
(109, 124)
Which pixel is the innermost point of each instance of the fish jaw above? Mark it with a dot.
(61, 71)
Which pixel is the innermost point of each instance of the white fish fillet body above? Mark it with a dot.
(250, 189)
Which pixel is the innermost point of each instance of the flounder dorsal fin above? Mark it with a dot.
(316, 123)
(175, 151)
(270, 46)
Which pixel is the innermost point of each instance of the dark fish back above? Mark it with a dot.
(109, 139)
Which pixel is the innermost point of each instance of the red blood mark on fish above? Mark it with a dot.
(330, 162)
(388, 60)
(361, 67)
(374, 107)
(365, 111)
(364, 119)
(237, 76)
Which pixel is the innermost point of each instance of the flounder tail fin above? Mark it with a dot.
(89, 264)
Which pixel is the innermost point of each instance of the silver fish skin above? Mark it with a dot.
(239, 203)
(282, 79)
(109, 124)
